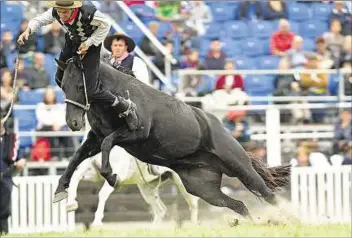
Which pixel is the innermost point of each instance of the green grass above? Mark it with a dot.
(242, 230)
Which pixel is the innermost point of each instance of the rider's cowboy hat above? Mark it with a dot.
(65, 4)
(118, 36)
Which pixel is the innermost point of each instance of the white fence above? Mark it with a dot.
(322, 194)
(33, 210)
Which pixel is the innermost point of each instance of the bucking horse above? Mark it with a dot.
(170, 133)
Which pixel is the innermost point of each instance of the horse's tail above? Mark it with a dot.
(274, 177)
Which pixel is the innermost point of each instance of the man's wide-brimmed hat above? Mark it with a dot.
(119, 36)
(65, 4)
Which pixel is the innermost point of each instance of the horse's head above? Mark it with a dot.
(73, 85)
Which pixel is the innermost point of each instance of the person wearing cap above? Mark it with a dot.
(86, 29)
(120, 47)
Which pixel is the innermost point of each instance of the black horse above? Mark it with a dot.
(170, 133)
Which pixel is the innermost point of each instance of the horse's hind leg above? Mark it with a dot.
(151, 196)
(205, 183)
(192, 201)
(104, 194)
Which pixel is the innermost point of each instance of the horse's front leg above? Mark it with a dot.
(119, 136)
(89, 148)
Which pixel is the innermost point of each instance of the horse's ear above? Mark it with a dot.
(62, 65)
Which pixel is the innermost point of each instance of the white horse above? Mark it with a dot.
(131, 171)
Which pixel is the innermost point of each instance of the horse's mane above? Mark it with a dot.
(125, 71)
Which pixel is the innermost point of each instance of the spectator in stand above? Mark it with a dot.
(230, 88)
(168, 11)
(6, 91)
(3, 59)
(249, 10)
(110, 7)
(31, 43)
(216, 57)
(281, 41)
(341, 13)
(54, 40)
(51, 117)
(160, 59)
(347, 160)
(305, 148)
(190, 82)
(296, 56)
(199, 15)
(8, 46)
(324, 54)
(348, 78)
(342, 132)
(41, 78)
(334, 41)
(146, 45)
(24, 76)
(191, 61)
(346, 55)
(273, 10)
(236, 124)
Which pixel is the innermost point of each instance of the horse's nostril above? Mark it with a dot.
(75, 123)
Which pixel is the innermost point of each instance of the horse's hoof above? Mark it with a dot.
(60, 196)
(234, 223)
(114, 181)
(72, 207)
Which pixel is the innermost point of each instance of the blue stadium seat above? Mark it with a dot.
(204, 46)
(133, 31)
(26, 119)
(262, 29)
(298, 12)
(164, 27)
(143, 10)
(321, 11)
(223, 12)
(313, 29)
(244, 62)
(268, 62)
(252, 47)
(236, 29)
(50, 66)
(232, 48)
(266, 46)
(259, 85)
(213, 30)
(60, 96)
(294, 27)
(32, 97)
(308, 44)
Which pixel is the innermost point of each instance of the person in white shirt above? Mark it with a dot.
(86, 29)
(120, 47)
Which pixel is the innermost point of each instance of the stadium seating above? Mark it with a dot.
(236, 29)
(267, 62)
(32, 97)
(321, 11)
(312, 29)
(298, 12)
(262, 29)
(252, 47)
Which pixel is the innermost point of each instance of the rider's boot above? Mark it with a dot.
(127, 109)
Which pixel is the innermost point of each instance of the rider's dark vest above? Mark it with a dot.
(126, 63)
(80, 29)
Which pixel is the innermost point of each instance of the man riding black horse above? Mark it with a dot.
(86, 30)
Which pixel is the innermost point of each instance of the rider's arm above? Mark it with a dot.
(101, 32)
(42, 20)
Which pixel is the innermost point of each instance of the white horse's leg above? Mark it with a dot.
(192, 201)
(151, 196)
(72, 204)
(104, 194)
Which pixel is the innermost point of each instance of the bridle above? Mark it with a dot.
(87, 106)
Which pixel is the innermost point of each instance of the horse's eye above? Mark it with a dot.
(80, 87)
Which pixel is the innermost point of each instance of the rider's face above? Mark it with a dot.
(118, 48)
(64, 13)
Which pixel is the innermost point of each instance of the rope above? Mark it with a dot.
(14, 91)
(144, 180)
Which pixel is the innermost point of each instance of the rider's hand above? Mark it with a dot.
(83, 48)
(20, 164)
(24, 36)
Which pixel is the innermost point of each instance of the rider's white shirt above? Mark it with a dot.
(139, 69)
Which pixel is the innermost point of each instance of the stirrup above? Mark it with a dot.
(128, 110)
